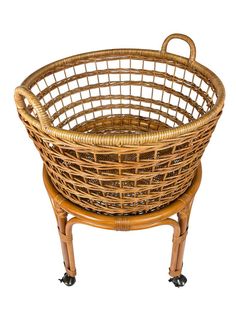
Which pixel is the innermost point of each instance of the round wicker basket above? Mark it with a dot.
(122, 131)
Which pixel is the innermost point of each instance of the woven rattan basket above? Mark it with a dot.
(122, 131)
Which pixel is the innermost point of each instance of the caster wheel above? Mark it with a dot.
(179, 281)
(68, 280)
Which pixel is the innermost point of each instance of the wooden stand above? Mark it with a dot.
(181, 206)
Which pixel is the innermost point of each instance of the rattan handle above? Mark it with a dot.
(22, 92)
(183, 37)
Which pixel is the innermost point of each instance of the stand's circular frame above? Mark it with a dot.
(181, 206)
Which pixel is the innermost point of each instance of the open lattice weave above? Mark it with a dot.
(122, 131)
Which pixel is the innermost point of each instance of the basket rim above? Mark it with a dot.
(126, 139)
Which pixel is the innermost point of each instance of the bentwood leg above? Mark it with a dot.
(67, 247)
(179, 279)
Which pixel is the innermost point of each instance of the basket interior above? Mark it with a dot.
(129, 94)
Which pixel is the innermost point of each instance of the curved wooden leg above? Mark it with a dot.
(66, 245)
(178, 247)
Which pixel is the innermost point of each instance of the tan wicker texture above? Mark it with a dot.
(122, 131)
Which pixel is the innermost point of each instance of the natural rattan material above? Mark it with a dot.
(122, 131)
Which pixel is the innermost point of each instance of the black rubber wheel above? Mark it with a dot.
(179, 281)
(68, 280)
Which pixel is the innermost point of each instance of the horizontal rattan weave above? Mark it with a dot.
(122, 131)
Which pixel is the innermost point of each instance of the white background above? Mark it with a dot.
(117, 272)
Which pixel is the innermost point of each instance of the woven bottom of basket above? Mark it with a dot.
(116, 124)
(121, 124)
(134, 213)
